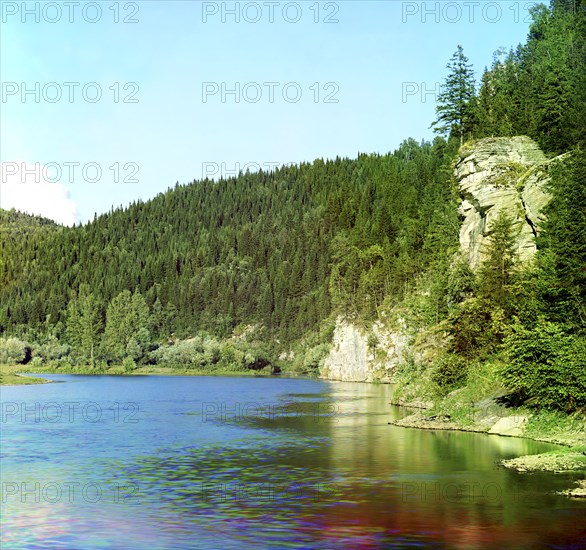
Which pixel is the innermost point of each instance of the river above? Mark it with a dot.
(164, 462)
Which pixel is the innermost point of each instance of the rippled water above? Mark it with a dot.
(178, 462)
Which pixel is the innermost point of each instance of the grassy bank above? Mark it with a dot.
(9, 376)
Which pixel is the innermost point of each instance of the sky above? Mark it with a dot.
(103, 103)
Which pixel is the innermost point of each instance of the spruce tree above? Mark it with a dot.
(564, 238)
(454, 110)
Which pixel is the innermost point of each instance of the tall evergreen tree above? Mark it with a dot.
(564, 240)
(455, 103)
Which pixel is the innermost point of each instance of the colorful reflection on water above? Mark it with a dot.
(177, 462)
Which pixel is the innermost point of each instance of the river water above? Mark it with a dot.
(163, 462)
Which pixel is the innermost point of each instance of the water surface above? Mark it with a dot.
(179, 462)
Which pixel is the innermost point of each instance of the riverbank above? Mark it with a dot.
(483, 405)
(489, 417)
(9, 377)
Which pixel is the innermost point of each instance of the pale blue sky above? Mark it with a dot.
(170, 132)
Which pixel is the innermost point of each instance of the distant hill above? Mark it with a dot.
(14, 219)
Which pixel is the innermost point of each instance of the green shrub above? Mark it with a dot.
(477, 328)
(51, 349)
(450, 371)
(195, 353)
(36, 362)
(546, 365)
(128, 364)
(63, 363)
(12, 350)
(133, 349)
(204, 352)
(309, 359)
(314, 357)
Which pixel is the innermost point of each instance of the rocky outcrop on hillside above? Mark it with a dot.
(360, 355)
(497, 174)
(493, 174)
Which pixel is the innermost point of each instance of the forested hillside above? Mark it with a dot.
(287, 251)
(275, 248)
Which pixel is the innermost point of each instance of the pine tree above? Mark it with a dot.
(454, 109)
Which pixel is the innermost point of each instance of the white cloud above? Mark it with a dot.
(30, 188)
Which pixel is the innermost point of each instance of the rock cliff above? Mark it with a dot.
(497, 174)
(359, 355)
